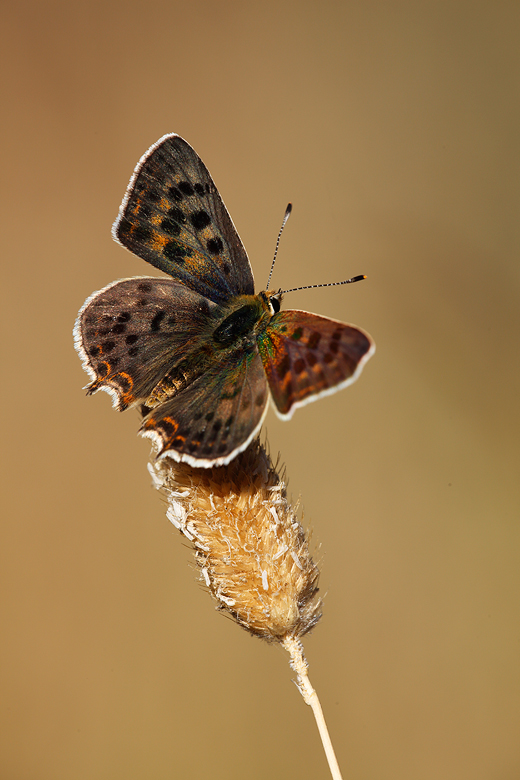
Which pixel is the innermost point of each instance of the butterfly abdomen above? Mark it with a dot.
(180, 376)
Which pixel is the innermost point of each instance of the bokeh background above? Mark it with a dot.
(393, 127)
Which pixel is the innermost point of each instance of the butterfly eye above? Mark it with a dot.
(275, 303)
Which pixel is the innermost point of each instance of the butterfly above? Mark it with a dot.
(200, 353)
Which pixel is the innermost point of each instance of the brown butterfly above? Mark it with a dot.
(199, 353)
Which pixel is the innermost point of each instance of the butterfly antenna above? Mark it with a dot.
(329, 284)
(286, 217)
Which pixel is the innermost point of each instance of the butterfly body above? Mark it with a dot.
(233, 328)
(199, 352)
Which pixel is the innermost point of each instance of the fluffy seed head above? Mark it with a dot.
(251, 550)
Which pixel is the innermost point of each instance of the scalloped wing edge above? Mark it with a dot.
(203, 462)
(80, 349)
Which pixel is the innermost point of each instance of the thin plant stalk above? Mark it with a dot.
(252, 553)
(299, 664)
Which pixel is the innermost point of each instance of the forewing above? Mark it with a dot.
(131, 333)
(306, 356)
(217, 416)
(173, 217)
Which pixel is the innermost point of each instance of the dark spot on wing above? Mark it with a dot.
(215, 246)
(283, 366)
(155, 324)
(200, 219)
(185, 187)
(314, 340)
(119, 328)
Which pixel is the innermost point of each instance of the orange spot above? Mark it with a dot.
(159, 241)
(175, 426)
(126, 379)
(104, 363)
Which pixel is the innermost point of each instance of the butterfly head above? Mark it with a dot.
(271, 301)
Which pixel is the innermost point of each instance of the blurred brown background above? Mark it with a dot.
(393, 127)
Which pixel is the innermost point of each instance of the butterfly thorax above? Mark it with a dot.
(235, 325)
(246, 316)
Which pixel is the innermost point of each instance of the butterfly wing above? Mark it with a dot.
(216, 416)
(173, 217)
(131, 333)
(306, 356)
